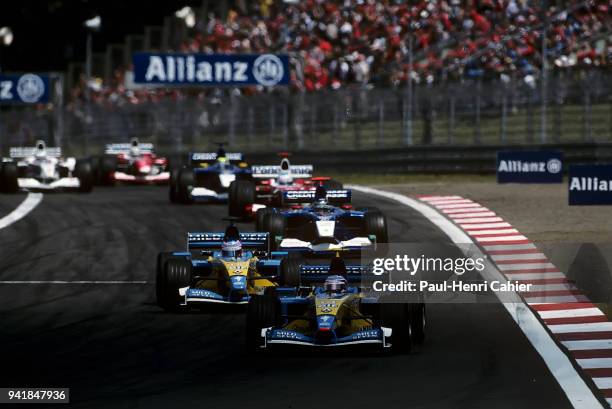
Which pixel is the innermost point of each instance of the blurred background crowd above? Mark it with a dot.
(383, 42)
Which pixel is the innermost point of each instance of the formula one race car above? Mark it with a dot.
(132, 162)
(269, 184)
(326, 225)
(218, 268)
(338, 313)
(43, 168)
(208, 176)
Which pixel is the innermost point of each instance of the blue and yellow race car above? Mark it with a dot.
(334, 314)
(224, 268)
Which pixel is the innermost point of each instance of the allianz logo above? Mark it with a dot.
(518, 166)
(590, 184)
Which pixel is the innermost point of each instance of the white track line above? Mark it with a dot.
(560, 366)
(30, 202)
(72, 282)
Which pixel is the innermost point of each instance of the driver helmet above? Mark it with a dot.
(134, 148)
(335, 284)
(41, 149)
(231, 248)
(284, 176)
(320, 195)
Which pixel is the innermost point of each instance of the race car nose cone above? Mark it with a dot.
(238, 282)
(325, 322)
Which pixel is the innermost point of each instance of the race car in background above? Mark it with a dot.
(224, 268)
(327, 308)
(326, 225)
(133, 163)
(208, 176)
(269, 183)
(44, 168)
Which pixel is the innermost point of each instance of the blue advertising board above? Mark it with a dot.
(211, 69)
(590, 185)
(24, 88)
(529, 167)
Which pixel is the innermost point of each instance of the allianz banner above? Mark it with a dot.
(590, 185)
(24, 88)
(529, 167)
(211, 69)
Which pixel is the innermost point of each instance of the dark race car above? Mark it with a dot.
(208, 176)
(326, 225)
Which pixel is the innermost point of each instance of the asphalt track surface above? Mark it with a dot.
(115, 348)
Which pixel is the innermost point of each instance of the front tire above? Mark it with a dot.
(375, 224)
(275, 225)
(290, 272)
(260, 218)
(176, 274)
(262, 312)
(396, 316)
(84, 172)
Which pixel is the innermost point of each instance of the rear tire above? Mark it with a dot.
(176, 274)
(275, 224)
(185, 182)
(106, 170)
(396, 316)
(262, 312)
(8, 178)
(160, 282)
(84, 172)
(290, 272)
(241, 195)
(375, 224)
(418, 322)
(173, 185)
(260, 218)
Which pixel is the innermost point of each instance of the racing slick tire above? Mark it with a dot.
(173, 185)
(396, 316)
(418, 323)
(184, 184)
(106, 170)
(332, 185)
(241, 194)
(375, 224)
(84, 172)
(262, 312)
(290, 272)
(176, 274)
(8, 178)
(162, 258)
(275, 225)
(260, 217)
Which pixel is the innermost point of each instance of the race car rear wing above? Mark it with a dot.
(336, 197)
(124, 148)
(205, 157)
(213, 241)
(21, 152)
(313, 274)
(273, 171)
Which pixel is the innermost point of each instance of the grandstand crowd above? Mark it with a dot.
(341, 42)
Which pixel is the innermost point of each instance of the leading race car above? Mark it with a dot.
(269, 182)
(217, 268)
(336, 314)
(208, 176)
(326, 225)
(133, 163)
(44, 168)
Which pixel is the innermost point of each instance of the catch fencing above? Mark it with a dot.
(576, 108)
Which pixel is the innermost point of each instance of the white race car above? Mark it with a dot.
(44, 168)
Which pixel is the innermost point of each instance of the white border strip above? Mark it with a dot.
(576, 390)
(22, 210)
